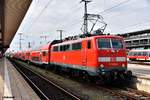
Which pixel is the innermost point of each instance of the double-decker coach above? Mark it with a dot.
(45, 54)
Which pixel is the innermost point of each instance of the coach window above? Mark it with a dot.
(28, 54)
(144, 53)
(89, 44)
(135, 53)
(55, 48)
(130, 53)
(140, 53)
(44, 53)
(76, 46)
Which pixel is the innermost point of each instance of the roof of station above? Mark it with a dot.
(135, 33)
(12, 13)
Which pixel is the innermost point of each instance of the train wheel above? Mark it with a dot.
(85, 76)
(107, 78)
(128, 75)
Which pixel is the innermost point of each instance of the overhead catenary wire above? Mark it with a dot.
(115, 6)
(41, 12)
(30, 15)
(137, 24)
(76, 10)
(108, 9)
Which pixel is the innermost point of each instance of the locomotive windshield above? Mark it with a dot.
(109, 43)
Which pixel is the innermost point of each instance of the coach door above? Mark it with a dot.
(84, 53)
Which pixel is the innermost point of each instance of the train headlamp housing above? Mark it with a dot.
(123, 65)
(102, 66)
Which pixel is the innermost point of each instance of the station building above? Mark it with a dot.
(137, 39)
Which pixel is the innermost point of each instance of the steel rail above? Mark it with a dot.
(50, 82)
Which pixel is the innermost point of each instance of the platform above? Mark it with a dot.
(140, 70)
(12, 84)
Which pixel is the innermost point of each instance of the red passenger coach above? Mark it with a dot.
(96, 55)
(45, 54)
(27, 55)
(141, 55)
(35, 56)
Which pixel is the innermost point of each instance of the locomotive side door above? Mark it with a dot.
(84, 53)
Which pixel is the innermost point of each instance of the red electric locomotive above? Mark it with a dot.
(101, 55)
(95, 55)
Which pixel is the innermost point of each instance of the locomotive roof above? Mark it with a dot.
(87, 38)
(45, 47)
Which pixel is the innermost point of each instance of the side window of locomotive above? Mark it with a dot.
(66, 47)
(61, 48)
(76, 46)
(89, 44)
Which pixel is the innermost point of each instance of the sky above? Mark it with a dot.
(45, 17)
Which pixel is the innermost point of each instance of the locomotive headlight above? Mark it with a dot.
(120, 59)
(102, 66)
(123, 65)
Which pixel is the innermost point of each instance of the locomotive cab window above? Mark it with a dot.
(109, 43)
(103, 43)
(117, 44)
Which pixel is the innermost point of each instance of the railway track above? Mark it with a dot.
(123, 93)
(126, 93)
(45, 89)
(132, 94)
(139, 62)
